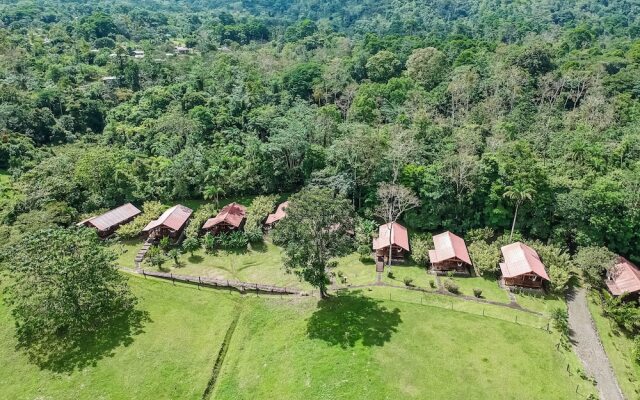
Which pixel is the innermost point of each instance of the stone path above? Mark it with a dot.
(588, 347)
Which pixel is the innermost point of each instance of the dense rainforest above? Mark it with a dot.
(479, 107)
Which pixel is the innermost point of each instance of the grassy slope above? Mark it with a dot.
(619, 349)
(171, 359)
(374, 349)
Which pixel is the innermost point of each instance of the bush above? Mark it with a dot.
(477, 292)
(364, 251)
(154, 257)
(390, 275)
(485, 257)
(364, 231)
(420, 246)
(451, 286)
(560, 320)
(231, 240)
(257, 212)
(200, 216)
(432, 283)
(151, 210)
(480, 235)
(190, 245)
(408, 281)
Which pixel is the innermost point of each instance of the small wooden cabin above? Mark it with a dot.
(394, 235)
(231, 218)
(449, 254)
(522, 266)
(107, 223)
(280, 213)
(170, 224)
(624, 279)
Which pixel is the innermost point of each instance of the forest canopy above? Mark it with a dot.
(465, 101)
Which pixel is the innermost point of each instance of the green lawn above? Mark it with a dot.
(171, 358)
(541, 303)
(260, 264)
(361, 347)
(364, 273)
(490, 288)
(620, 351)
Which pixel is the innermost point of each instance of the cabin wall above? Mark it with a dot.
(451, 265)
(528, 281)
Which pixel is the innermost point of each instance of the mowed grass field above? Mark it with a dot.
(356, 345)
(171, 358)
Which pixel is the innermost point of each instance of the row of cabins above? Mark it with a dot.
(521, 267)
(173, 221)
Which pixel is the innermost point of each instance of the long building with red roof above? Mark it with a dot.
(450, 253)
(108, 222)
(522, 266)
(623, 278)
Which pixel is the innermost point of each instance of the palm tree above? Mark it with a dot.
(213, 192)
(519, 193)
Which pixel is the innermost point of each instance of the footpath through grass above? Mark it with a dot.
(171, 358)
(619, 349)
(356, 346)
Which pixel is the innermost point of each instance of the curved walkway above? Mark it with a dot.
(587, 345)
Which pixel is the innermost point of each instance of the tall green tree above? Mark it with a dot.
(519, 193)
(314, 232)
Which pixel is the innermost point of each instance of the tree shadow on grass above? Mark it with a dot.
(195, 259)
(350, 317)
(71, 352)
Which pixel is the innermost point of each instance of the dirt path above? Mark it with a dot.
(588, 347)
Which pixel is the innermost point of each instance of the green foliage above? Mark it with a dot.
(257, 212)
(485, 257)
(198, 218)
(559, 264)
(420, 246)
(407, 281)
(225, 240)
(382, 66)
(364, 251)
(300, 79)
(594, 262)
(477, 292)
(427, 67)
(164, 244)
(150, 211)
(451, 286)
(314, 232)
(191, 245)
(155, 257)
(560, 320)
(61, 284)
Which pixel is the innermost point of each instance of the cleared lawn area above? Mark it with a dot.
(364, 273)
(490, 288)
(541, 303)
(359, 347)
(260, 264)
(619, 349)
(171, 358)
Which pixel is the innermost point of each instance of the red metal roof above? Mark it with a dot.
(173, 218)
(624, 277)
(449, 247)
(279, 214)
(231, 214)
(521, 259)
(399, 236)
(112, 218)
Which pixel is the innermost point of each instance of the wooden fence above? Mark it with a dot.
(224, 283)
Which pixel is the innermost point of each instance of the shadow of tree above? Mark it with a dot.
(259, 247)
(195, 259)
(349, 317)
(70, 352)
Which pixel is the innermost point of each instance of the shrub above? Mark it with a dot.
(480, 235)
(594, 262)
(420, 246)
(451, 286)
(200, 216)
(477, 292)
(560, 320)
(390, 275)
(151, 210)
(154, 257)
(485, 257)
(364, 231)
(257, 212)
(432, 283)
(164, 244)
(408, 281)
(364, 251)
(190, 245)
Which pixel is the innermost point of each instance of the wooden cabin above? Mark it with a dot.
(231, 218)
(624, 279)
(107, 223)
(522, 266)
(280, 213)
(170, 224)
(449, 254)
(394, 235)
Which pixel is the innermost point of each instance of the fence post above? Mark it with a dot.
(516, 319)
(173, 279)
(199, 282)
(256, 289)
(144, 274)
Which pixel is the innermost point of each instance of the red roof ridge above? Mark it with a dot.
(399, 236)
(448, 245)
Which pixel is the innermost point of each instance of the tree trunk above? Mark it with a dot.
(513, 224)
(390, 244)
